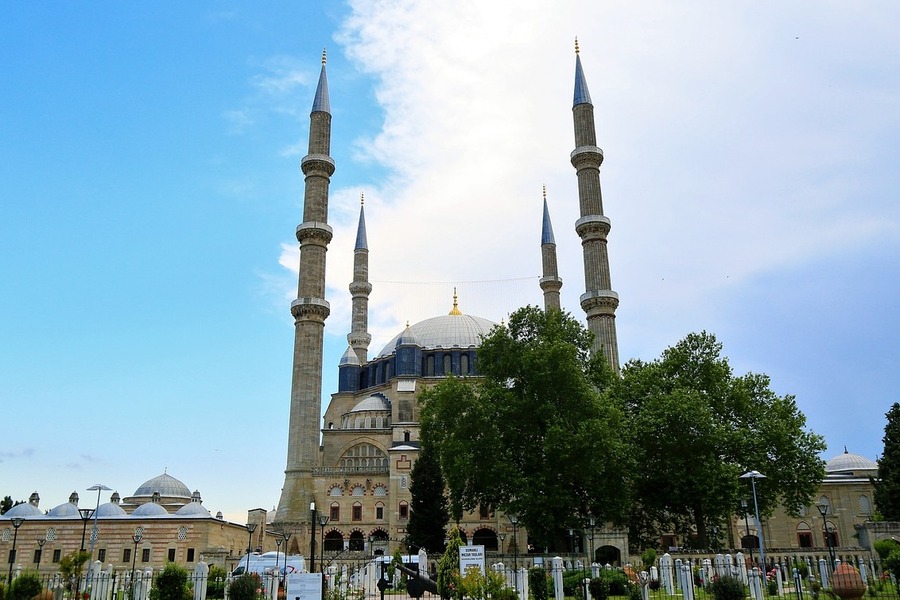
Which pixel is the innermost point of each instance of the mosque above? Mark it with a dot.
(347, 472)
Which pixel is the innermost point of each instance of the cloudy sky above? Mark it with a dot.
(149, 189)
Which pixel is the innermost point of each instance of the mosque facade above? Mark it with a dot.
(353, 466)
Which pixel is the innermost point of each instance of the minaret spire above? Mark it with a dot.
(599, 301)
(550, 281)
(310, 310)
(360, 289)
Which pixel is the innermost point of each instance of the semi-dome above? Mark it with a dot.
(166, 485)
(373, 402)
(446, 331)
(849, 463)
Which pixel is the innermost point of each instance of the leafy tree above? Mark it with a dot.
(887, 488)
(245, 587)
(7, 503)
(25, 587)
(428, 515)
(171, 583)
(71, 564)
(536, 434)
(694, 428)
(448, 578)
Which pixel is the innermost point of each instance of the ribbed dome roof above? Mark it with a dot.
(150, 509)
(110, 509)
(192, 509)
(848, 462)
(446, 331)
(166, 485)
(25, 510)
(373, 402)
(64, 510)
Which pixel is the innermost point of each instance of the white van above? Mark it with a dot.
(266, 563)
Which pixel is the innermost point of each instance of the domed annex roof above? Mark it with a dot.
(150, 509)
(63, 511)
(166, 485)
(25, 510)
(373, 402)
(446, 331)
(193, 508)
(849, 463)
(110, 509)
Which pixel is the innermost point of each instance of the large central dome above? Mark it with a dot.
(447, 331)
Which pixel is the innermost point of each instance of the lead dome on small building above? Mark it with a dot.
(849, 463)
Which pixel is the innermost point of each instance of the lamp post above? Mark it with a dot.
(312, 537)
(136, 537)
(746, 524)
(285, 537)
(514, 521)
(279, 540)
(97, 487)
(41, 543)
(323, 521)
(86, 514)
(251, 527)
(16, 523)
(823, 510)
(753, 476)
(502, 536)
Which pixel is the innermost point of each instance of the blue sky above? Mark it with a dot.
(150, 190)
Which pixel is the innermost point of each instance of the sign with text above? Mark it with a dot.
(303, 586)
(471, 557)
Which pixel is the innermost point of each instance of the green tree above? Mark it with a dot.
(428, 515)
(887, 487)
(25, 587)
(448, 578)
(71, 564)
(7, 503)
(694, 428)
(536, 434)
(171, 583)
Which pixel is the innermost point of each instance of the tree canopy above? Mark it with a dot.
(887, 488)
(694, 428)
(534, 435)
(428, 515)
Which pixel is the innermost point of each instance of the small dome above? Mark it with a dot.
(110, 509)
(166, 485)
(848, 463)
(375, 402)
(192, 509)
(24, 510)
(151, 509)
(65, 511)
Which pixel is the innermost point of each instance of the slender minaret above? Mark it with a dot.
(550, 281)
(310, 310)
(599, 301)
(360, 288)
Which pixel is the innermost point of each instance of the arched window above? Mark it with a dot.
(357, 512)
(334, 541)
(357, 542)
(334, 512)
(380, 491)
(829, 535)
(403, 509)
(804, 536)
(379, 511)
(358, 490)
(335, 490)
(448, 363)
(865, 505)
(464, 364)
(429, 364)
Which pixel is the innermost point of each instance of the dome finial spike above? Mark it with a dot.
(455, 310)
(576, 44)
(362, 198)
(545, 190)
(325, 55)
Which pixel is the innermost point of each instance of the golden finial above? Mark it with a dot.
(576, 44)
(455, 310)
(323, 54)
(362, 198)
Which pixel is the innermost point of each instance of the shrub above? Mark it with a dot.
(245, 587)
(892, 563)
(772, 586)
(171, 583)
(885, 547)
(538, 583)
(728, 588)
(24, 587)
(573, 582)
(802, 568)
(599, 588)
(634, 592)
(648, 558)
(617, 581)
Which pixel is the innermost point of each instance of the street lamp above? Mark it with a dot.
(97, 487)
(502, 536)
(251, 527)
(136, 537)
(312, 537)
(279, 540)
(323, 521)
(514, 521)
(41, 543)
(823, 510)
(86, 514)
(746, 525)
(753, 476)
(16, 523)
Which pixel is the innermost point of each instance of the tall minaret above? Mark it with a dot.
(310, 310)
(599, 302)
(360, 289)
(550, 281)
